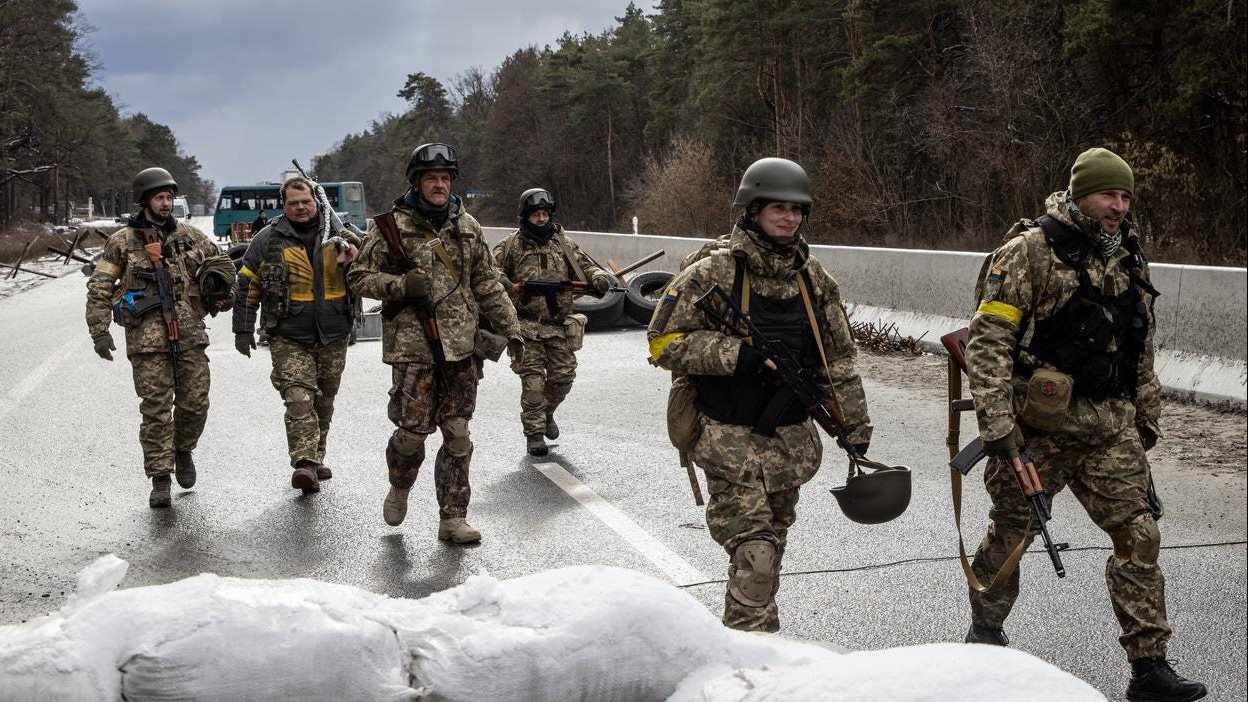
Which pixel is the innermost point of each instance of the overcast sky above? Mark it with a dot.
(246, 85)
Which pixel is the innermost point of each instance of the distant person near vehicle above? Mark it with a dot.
(428, 262)
(540, 266)
(296, 283)
(261, 221)
(158, 278)
(1081, 399)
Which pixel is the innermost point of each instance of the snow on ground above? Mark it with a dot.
(583, 633)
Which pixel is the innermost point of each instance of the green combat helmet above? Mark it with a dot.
(216, 283)
(150, 179)
(876, 497)
(777, 179)
(432, 157)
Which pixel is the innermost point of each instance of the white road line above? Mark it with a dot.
(673, 566)
(13, 398)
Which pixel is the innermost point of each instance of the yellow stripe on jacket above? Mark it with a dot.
(299, 275)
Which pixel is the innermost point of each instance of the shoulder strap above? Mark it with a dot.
(1069, 246)
(741, 284)
(570, 255)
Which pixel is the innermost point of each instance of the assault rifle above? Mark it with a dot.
(550, 290)
(164, 288)
(423, 307)
(1023, 465)
(332, 225)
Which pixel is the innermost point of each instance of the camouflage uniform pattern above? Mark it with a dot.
(169, 420)
(549, 364)
(419, 404)
(317, 368)
(458, 302)
(1097, 451)
(753, 481)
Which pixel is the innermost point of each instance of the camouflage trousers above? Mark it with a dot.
(421, 402)
(308, 377)
(753, 484)
(170, 419)
(546, 375)
(1111, 481)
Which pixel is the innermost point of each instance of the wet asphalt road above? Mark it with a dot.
(70, 471)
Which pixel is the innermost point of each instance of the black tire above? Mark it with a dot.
(644, 291)
(601, 313)
(235, 253)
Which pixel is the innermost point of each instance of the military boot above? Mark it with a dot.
(993, 636)
(536, 445)
(184, 469)
(304, 478)
(1153, 680)
(458, 530)
(394, 509)
(323, 472)
(160, 496)
(552, 429)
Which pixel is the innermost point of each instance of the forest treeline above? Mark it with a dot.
(923, 123)
(61, 140)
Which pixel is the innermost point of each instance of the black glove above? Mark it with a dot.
(1007, 446)
(749, 361)
(861, 449)
(104, 346)
(416, 284)
(245, 343)
(601, 282)
(1148, 437)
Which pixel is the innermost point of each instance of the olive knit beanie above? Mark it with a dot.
(1097, 170)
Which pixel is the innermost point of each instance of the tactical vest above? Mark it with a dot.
(1095, 338)
(275, 305)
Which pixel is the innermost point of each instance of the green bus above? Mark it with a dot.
(243, 203)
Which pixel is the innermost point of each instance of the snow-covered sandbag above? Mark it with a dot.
(581, 633)
(928, 673)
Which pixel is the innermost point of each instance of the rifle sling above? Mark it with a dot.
(577, 271)
(390, 308)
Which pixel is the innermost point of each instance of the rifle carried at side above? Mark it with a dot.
(389, 230)
(550, 289)
(962, 461)
(168, 305)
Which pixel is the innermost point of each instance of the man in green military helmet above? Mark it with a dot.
(753, 475)
(163, 342)
(298, 284)
(1060, 360)
(540, 251)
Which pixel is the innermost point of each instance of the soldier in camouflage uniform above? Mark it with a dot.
(120, 288)
(433, 387)
(753, 479)
(1079, 267)
(299, 285)
(539, 250)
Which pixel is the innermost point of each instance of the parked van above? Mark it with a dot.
(181, 210)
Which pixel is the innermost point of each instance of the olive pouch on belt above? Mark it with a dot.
(275, 304)
(683, 427)
(1048, 399)
(574, 330)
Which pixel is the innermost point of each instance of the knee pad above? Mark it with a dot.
(407, 443)
(752, 575)
(532, 389)
(455, 436)
(1138, 542)
(298, 402)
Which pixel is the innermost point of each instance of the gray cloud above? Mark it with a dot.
(247, 85)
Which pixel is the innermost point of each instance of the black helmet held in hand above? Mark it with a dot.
(536, 199)
(150, 179)
(876, 497)
(432, 157)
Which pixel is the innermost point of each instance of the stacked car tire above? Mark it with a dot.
(622, 308)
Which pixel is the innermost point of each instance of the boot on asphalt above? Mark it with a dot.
(1153, 680)
(160, 496)
(458, 530)
(993, 636)
(394, 509)
(552, 429)
(304, 477)
(323, 472)
(184, 469)
(536, 445)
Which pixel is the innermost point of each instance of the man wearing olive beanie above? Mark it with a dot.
(1084, 405)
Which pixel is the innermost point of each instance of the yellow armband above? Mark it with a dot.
(659, 344)
(1009, 313)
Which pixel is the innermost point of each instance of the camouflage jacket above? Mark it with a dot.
(314, 290)
(519, 259)
(120, 269)
(1025, 283)
(683, 340)
(457, 301)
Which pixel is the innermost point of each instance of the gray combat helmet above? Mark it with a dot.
(435, 156)
(536, 199)
(876, 497)
(777, 179)
(150, 179)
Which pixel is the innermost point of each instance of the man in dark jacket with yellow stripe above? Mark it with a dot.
(296, 282)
